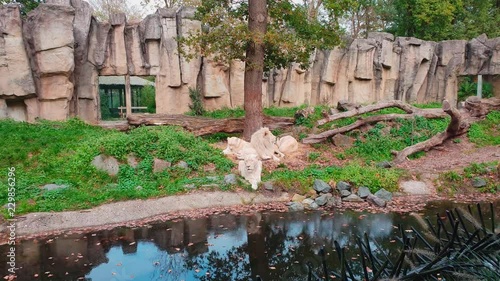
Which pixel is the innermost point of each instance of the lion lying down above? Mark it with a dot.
(263, 145)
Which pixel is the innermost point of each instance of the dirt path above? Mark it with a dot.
(451, 156)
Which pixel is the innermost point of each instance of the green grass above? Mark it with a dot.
(61, 153)
(375, 145)
(486, 132)
(355, 173)
(309, 122)
(455, 181)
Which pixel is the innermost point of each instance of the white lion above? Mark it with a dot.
(250, 168)
(238, 147)
(265, 143)
(287, 145)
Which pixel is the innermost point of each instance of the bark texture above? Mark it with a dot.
(257, 25)
(203, 126)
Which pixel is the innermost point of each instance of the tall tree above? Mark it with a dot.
(257, 26)
(264, 34)
(445, 19)
(172, 3)
(103, 9)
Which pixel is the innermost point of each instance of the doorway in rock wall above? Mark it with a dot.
(113, 98)
(467, 86)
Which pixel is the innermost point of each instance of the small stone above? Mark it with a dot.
(334, 202)
(268, 185)
(160, 165)
(323, 199)
(107, 164)
(298, 198)
(372, 199)
(138, 187)
(363, 192)
(230, 179)
(352, 198)
(182, 164)
(51, 186)
(342, 185)
(321, 186)
(384, 194)
(345, 193)
(132, 161)
(295, 206)
(478, 182)
(384, 164)
(210, 185)
(311, 193)
(190, 186)
(313, 206)
(415, 187)
(307, 202)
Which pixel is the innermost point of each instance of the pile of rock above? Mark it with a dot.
(323, 195)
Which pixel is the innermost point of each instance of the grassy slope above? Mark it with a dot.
(60, 152)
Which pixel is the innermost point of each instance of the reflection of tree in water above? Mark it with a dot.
(269, 252)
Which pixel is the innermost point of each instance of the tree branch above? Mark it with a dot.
(381, 105)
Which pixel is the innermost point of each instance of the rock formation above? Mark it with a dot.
(51, 60)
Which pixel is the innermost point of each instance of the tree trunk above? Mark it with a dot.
(203, 126)
(254, 67)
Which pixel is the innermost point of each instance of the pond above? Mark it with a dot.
(275, 246)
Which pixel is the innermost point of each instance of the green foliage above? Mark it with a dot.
(454, 181)
(486, 132)
(376, 145)
(290, 35)
(196, 105)
(359, 175)
(148, 98)
(26, 5)
(468, 88)
(445, 19)
(313, 156)
(225, 113)
(61, 153)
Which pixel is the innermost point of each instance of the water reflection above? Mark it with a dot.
(223, 247)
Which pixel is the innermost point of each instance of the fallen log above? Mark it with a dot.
(431, 114)
(458, 125)
(381, 105)
(204, 126)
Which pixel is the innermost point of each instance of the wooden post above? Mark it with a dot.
(128, 97)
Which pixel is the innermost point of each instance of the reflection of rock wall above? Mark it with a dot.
(50, 63)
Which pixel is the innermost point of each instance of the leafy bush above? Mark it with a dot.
(196, 105)
(148, 98)
(468, 88)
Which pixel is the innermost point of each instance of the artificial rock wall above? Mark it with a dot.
(51, 60)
